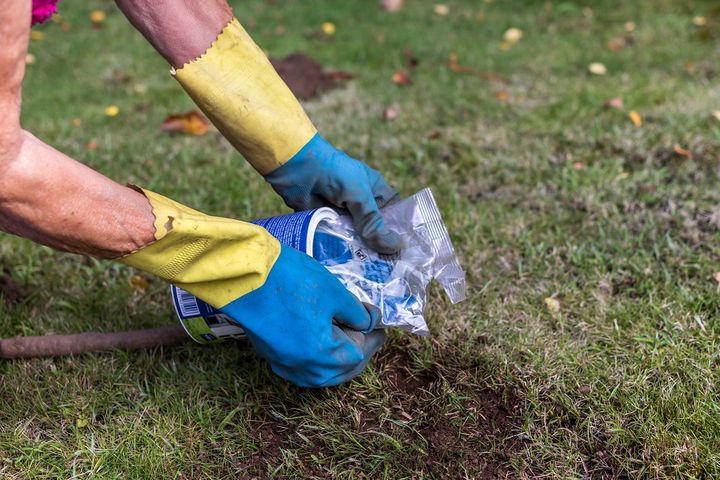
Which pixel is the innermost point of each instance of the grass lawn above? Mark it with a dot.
(590, 343)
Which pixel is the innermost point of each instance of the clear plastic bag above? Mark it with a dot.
(397, 284)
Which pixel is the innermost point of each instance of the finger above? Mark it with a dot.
(351, 313)
(383, 193)
(369, 344)
(370, 224)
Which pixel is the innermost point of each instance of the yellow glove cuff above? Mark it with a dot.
(235, 85)
(216, 259)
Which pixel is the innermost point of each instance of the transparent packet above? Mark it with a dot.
(397, 284)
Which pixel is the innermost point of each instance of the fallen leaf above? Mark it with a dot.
(138, 283)
(98, 17)
(435, 134)
(584, 389)
(456, 67)
(391, 113)
(597, 68)
(616, 44)
(192, 123)
(410, 59)
(629, 26)
(30, 59)
(636, 118)
(401, 78)
(716, 276)
(37, 35)
(553, 305)
(502, 95)
(112, 110)
(441, 9)
(699, 21)
(683, 152)
(614, 103)
(513, 35)
(391, 5)
(716, 114)
(328, 28)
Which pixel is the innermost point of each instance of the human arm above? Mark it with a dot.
(54, 200)
(232, 81)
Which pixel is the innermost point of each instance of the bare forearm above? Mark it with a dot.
(180, 30)
(49, 198)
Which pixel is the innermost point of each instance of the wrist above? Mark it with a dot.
(235, 85)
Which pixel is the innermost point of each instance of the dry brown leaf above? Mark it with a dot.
(636, 118)
(616, 44)
(401, 78)
(502, 95)
(192, 123)
(614, 103)
(683, 152)
(457, 68)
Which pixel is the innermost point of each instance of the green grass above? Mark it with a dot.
(622, 381)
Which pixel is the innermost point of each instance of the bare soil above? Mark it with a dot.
(305, 76)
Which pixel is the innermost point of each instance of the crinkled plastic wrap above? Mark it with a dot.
(397, 284)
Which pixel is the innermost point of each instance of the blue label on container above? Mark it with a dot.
(291, 230)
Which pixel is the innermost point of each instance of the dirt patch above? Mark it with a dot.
(11, 291)
(305, 76)
(474, 438)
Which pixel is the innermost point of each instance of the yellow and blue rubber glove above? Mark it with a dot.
(297, 315)
(235, 85)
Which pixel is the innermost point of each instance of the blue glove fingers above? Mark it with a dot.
(369, 343)
(370, 224)
(359, 316)
(384, 194)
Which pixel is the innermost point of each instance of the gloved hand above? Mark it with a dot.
(320, 174)
(241, 93)
(296, 314)
(306, 324)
